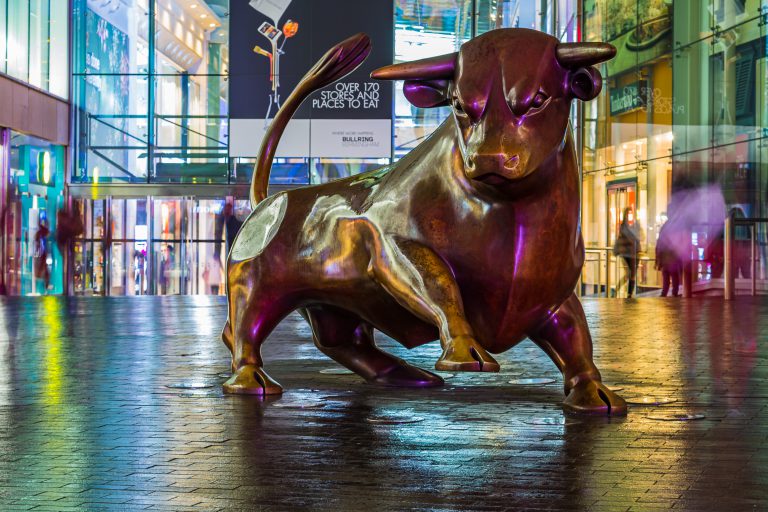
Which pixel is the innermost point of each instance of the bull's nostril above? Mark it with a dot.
(512, 162)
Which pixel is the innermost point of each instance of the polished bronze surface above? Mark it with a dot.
(472, 238)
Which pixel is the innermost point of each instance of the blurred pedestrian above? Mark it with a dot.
(69, 226)
(232, 224)
(668, 259)
(41, 254)
(166, 270)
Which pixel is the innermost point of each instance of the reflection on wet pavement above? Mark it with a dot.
(117, 404)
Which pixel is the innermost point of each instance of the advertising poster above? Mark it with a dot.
(273, 43)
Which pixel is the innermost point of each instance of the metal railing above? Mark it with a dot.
(600, 251)
(609, 271)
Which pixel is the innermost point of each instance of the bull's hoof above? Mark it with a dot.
(593, 397)
(464, 354)
(407, 376)
(252, 380)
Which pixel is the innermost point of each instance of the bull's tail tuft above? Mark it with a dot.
(337, 62)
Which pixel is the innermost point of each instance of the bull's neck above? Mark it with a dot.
(436, 152)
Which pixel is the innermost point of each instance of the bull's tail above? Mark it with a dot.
(337, 62)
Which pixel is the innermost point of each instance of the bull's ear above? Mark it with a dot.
(585, 83)
(426, 93)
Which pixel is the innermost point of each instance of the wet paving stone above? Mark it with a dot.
(394, 420)
(336, 371)
(116, 404)
(650, 400)
(676, 417)
(531, 381)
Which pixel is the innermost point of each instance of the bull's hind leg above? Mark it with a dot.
(566, 340)
(252, 316)
(349, 341)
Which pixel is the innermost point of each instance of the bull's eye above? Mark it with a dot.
(539, 100)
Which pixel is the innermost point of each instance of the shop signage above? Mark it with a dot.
(273, 43)
(628, 97)
(41, 166)
(44, 167)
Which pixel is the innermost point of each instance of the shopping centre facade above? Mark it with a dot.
(126, 111)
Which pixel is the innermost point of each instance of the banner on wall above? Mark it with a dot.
(273, 43)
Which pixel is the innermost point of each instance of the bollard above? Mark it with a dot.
(688, 270)
(753, 257)
(599, 271)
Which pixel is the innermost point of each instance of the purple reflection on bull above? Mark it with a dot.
(473, 238)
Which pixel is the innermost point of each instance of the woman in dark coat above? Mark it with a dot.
(627, 246)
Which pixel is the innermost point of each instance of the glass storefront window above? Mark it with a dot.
(17, 56)
(3, 36)
(34, 43)
(151, 108)
(627, 137)
(425, 29)
(39, 57)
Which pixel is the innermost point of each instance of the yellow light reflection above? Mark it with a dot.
(52, 361)
(95, 187)
(60, 416)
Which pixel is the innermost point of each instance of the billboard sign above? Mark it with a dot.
(273, 43)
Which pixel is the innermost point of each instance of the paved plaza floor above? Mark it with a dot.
(116, 404)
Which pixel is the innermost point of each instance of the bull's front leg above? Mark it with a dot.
(423, 283)
(565, 338)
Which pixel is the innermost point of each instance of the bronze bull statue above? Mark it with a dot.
(473, 238)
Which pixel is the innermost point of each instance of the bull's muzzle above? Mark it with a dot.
(494, 168)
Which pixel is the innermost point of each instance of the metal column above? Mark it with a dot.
(149, 263)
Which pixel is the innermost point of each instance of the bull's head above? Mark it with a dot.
(510, 90)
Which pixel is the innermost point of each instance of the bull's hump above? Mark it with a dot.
(259, 228)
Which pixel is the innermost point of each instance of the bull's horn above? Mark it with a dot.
(576, 55)
(433, 68)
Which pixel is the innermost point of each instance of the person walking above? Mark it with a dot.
(41, 255)
(627, 246)
(668, 259)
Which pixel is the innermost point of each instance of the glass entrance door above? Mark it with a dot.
(169, 253)
(155, 245)
(620, 196)
(128, 250)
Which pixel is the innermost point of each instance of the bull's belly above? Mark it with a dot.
(502, 331)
